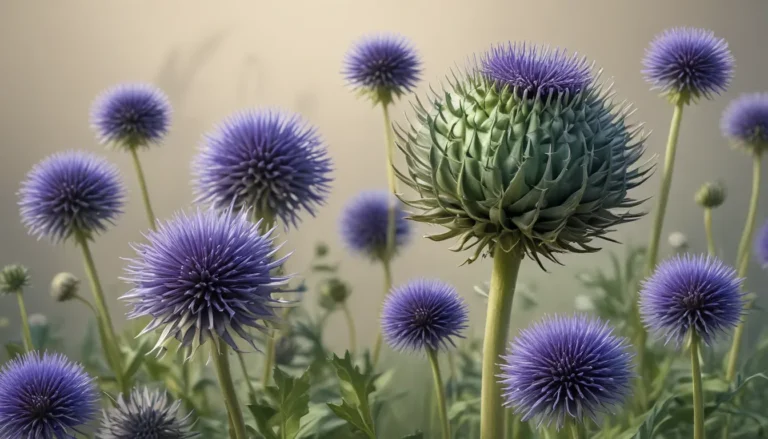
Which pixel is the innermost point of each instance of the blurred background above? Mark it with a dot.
(214, 58)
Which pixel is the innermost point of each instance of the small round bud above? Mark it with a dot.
(678, 241)
(710, 195)
(64, 286)
(336, 289)
(321, 249)
(13, 279)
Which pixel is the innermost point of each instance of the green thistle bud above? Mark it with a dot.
(64, 286)
(710, 195)
(333, 292)
(13, 279)
(321, 249)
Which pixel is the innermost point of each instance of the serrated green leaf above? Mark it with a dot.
(263, 414)
(355, 388)
(136, 359)
(354, 417)
(292, 396)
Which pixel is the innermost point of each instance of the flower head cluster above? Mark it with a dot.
(131, 115)
(365, 220)
(691, 293)
(13, 279)
(145, 414)
(566, 367)
(423, 314)
(267, 160)
(745, 122)
(44, 396)
(68, 193)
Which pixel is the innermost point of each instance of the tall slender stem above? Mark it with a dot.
(143, 187)
(221, 361)
(246, 376)
(573, 429)
(698, 397)
(351, 327)
(391, 180)
(439, 393)
(708, 230)
(387, 288)
(506, 266)
(28, 345)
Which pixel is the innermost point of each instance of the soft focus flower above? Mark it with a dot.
(423, 314)
(566, 367)
(13, 279)
(145, 414)
(131, 115)
(44, 396)
(38, 319)
(70, 192)
(687, 63)
(745, 122)
(204, 275)
(64, 286)
(364, 222)
(678, 241)
(270, 161)
(584, 303)
(710, 195)
(687, 293)
(526, 151)
(382, 66)
(761, 245)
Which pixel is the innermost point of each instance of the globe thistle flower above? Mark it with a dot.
(64, 287)
(566, 367)
(423, 314)
(688, 63)
(383, 67)
(745, 122)
(205, 275)
(691, 293)
(131, 115)
(13, 279)
(710, 195)
(271, 161)
(761, 245)
(71, 192)
(364, 224)
(44, 396)
(145, 414)
(525, 151)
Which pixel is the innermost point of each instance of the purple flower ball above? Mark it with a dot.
(745, 121)
(267, 160)
(146, 414)
(205, 275)
(536, 71)
(131, 115)
(423, 314)
(71, 192)
(761, 245)
(45, 396)
(382, 66)
(691, 293)
(566, 367)
(687, 63)
(364, 223)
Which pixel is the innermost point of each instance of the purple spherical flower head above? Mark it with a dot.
(686, 63)
(267, 160)
(44, 396)
(685, 293)
(423, 314)
(534, 71)
(745, 121)
(382, 65)
(146, 414)
(205, 275)
(131, 115)
(566, 367)
(70, 192)
(761, 245)
(364, 223)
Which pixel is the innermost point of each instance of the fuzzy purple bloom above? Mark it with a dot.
(382, 64)
(70, 192)
(536, 71)
(689, 63)
(146, 414)
(761, 245)
(691, 293)
(263, 159)
(364, 222)
(566, 367)
(131, 115)
(745, 121)
(205, 275)
(423, 314)
(45, 396)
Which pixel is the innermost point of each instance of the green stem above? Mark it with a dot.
(440, 393)
(506, 266)
(221, 361)
(269, 358)
(387, 287)
(246, 376)
(573, 429)
(143, 186)
(708, 230)
(745, 249)
(351, 327)
(28, 345)
(391, 180)
(698, 397)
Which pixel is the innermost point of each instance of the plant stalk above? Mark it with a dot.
(387, 288)
(351, 327)
(391, 181)
(439, 393)
(28, 345)
(698, 397)
(221, 361)
(246, 376)
(143, 186)
(711, 250)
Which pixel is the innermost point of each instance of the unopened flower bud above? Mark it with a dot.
(64, 286)
(710, 195)
(13, 279)
(678, 241)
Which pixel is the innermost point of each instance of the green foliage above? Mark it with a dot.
(355, 388)
(279, 417)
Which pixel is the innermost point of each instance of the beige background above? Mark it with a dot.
(213, 58)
